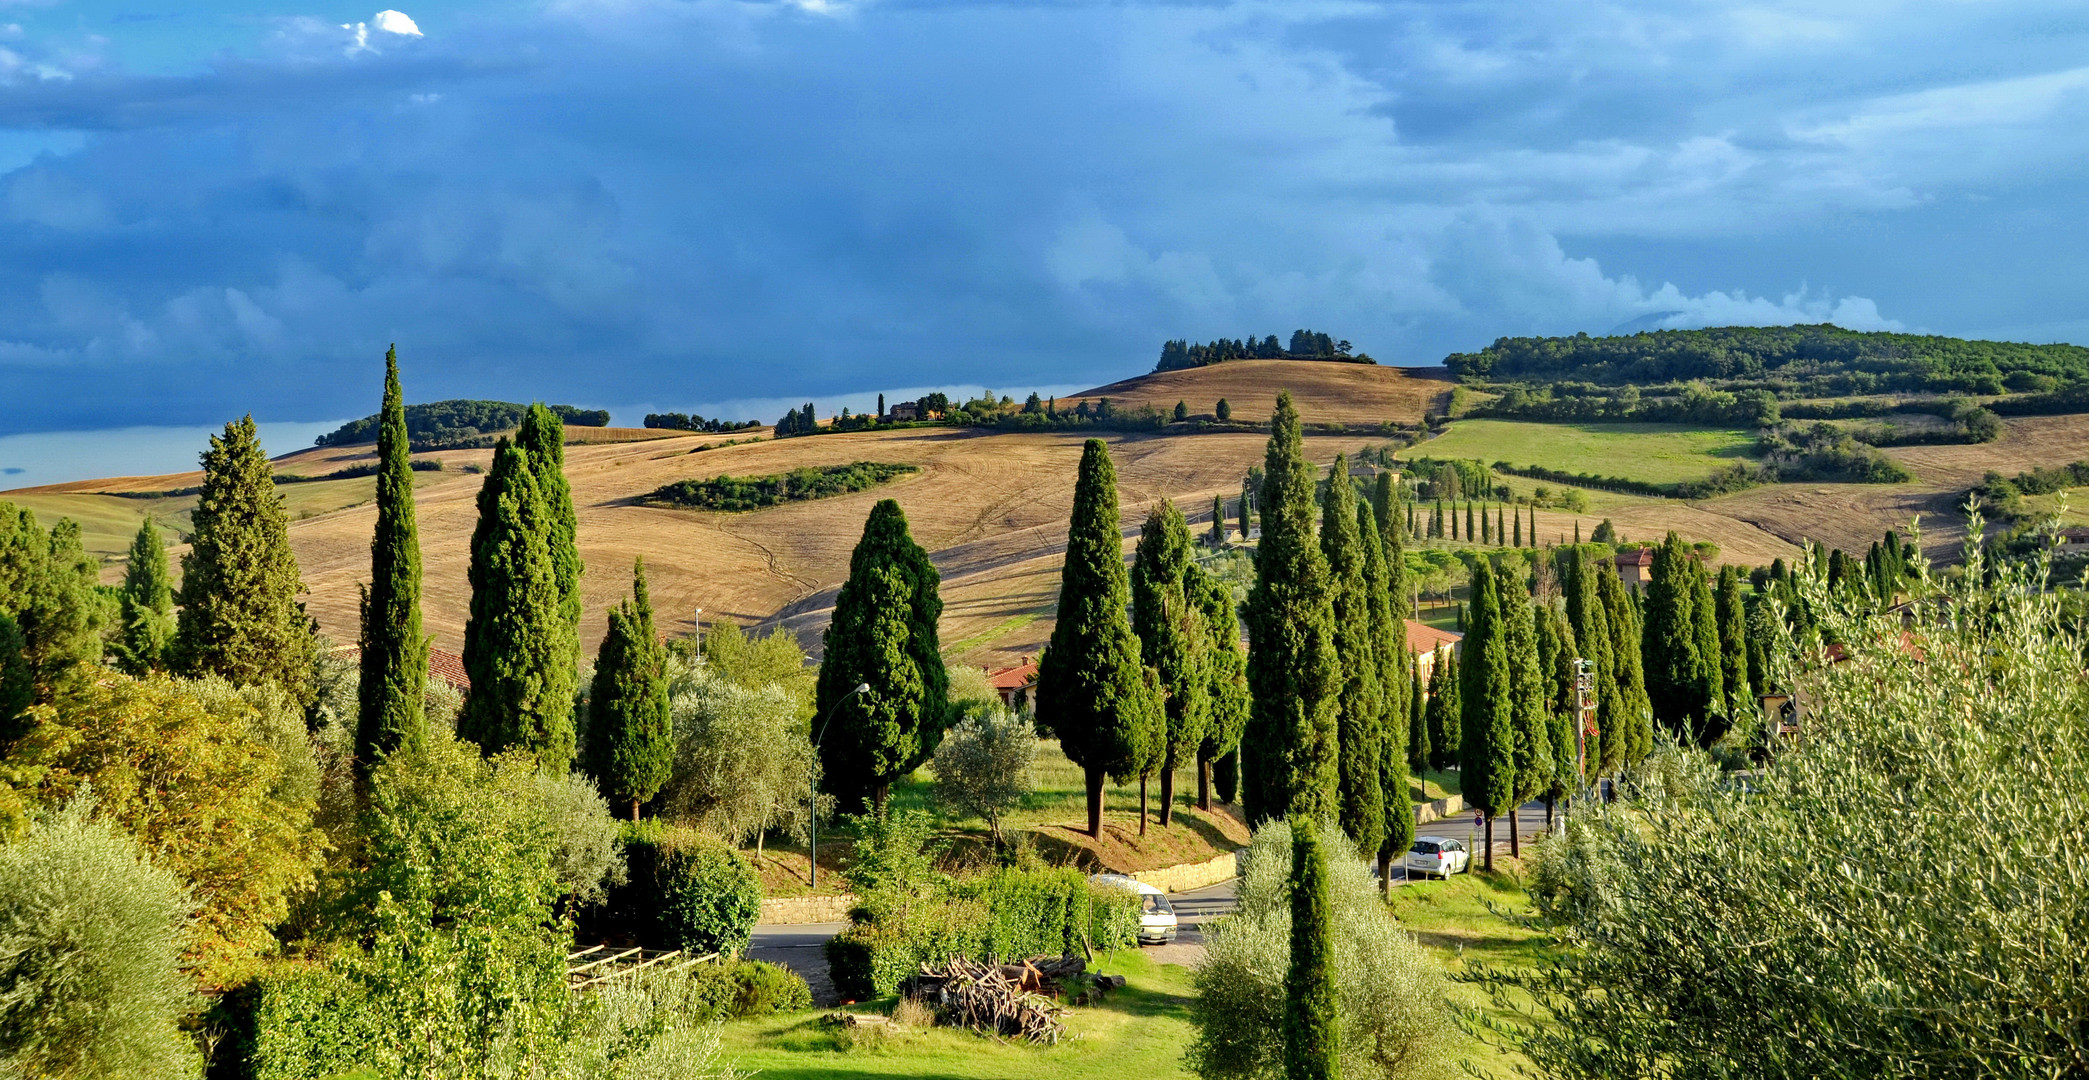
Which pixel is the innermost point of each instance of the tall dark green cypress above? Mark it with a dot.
(1528, 690)
(515, 653)
(1591, 633)
(883, 634)
(630, 746)
(1470, 535)
(1385, 507)
(1501, 535)
(1556, 654)
(1712, 721)
(1312, 1015)
(1674, 666)
(1444, 714)
(1294, 672)
(1389, 642)
(1172, 641)
(145, 605)
(1631, 715)
(1218, 521)
(1226, 689)
(240, 615)
(1487, 758)
(1732, 612)
(1092, 687)
(1247, 509)
(1486, 527)
(1418, 748)
(1360, 707)
(391, 709)
(1519, 529)
(543, 437)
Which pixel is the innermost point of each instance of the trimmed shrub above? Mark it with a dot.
(1113, 917)
(869, 959)
(684, 890)
(1032, 912)
(761, 988)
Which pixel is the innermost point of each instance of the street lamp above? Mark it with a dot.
(812, 786)
(699, 630)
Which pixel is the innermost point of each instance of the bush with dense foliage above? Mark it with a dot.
(685, 891)
(983, 764)
(1899, 893)
(742, 763)
(460, 422)
(675, 421)
(733, 493)
(1389, 992)
(91, 937)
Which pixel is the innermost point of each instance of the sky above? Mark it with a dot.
(229, 206)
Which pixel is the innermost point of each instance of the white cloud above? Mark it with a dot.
(395, 22)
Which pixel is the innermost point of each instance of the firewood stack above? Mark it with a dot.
(1016, 1000)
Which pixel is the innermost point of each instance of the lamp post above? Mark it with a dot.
(812, 787)
(699, 630)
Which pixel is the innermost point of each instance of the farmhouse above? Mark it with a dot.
(905, 411)
(2072, 540)
(1014, 684)
(1635, 566)
(1426, 642)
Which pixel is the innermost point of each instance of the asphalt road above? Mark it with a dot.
(802, 947)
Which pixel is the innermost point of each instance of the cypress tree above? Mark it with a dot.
(1389, 639)
(1762, 636)
(1385, 507)
(514, 640)
(1436, 522)
(1410, 518)
(391, 711)
(1360, 705)
(1312, 1019)
(1486, 527)
(1528, 690)
(1169, 623)
(1418, 747)
(1590, 626)
(1732, 612)
(1556, 653)
(240, 616)
(543, 437)
(1294, 673)
(1533, 529)
(1631, 713)
(1577, 532)
(1091, 685)
(145, 605)
(1674, 668)
(1711, 721)
(51, 600)
(1226, 689)
(1469, 533)
(1247, 512)
(1443, 715)
(1487, 758)
(631, 745)
(1218, 521)
(1501, 533)
(883, 634)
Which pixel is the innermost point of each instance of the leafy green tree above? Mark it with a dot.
(1487, 697)
(742, 762)
(1224, 410)
(93, 933)
(1528, 685)
(1389, 644)
(883, 635)
(515, 638)
(1170, 625)
(240, 616)
(1092, 687)
(1676, 670)
(145, 605)
(983, 765)
(48, 590)
(1182, 411)
(1312, 1015)
(1294, 670)
(391, 708)
(631, 741)
(1226, 693)
(1360, 705)
(1629, 714)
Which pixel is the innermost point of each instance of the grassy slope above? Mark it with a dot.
(1454, 921)
(1655, 453)
(1138, 1032)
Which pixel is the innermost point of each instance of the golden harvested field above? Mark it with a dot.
(1337, 393)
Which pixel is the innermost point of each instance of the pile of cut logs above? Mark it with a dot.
(1018, 1000)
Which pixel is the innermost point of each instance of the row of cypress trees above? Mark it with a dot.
(1501, 529)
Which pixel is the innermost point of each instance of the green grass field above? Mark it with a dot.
(1139, 1032)
(1654, 453)
(1455, 922)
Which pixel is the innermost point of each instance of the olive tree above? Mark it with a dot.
(983, 764)
(1390, 994)
(742, 758)
(1890, 897)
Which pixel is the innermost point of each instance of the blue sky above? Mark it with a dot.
(229, 207)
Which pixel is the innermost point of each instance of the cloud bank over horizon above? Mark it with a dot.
(680, 201)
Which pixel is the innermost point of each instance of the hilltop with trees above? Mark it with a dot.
(457, 424)
(1176, 355)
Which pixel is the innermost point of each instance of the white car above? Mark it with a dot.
(1156, 917)
(1437, 856)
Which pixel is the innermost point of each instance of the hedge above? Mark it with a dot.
(685, 890)
(1003, 916)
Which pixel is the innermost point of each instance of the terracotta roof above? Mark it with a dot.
(448, 667)
(1423, 638)
(1013, 678)
(1636, 557)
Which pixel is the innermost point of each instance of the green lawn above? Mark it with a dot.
(1139, 1032)
(1654, 453)
(1454, 921)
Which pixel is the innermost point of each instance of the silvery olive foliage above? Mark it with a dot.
(743, 758)
(1393, 1017)
(983, 764)
(1904, 891)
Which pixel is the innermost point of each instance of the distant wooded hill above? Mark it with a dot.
(1791, 361)
(458, 423)
(1305, 345)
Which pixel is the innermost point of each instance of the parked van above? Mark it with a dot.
(1156, 917)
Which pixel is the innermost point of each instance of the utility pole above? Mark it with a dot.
(1584, 722)
(812, 789)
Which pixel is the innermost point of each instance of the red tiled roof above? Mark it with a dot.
(1423, 638)
(448, 667)
(1636, 557)
(1012, 678)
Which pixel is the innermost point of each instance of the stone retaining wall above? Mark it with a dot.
(1186, 876)
(797, 910)
(1427, 812)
